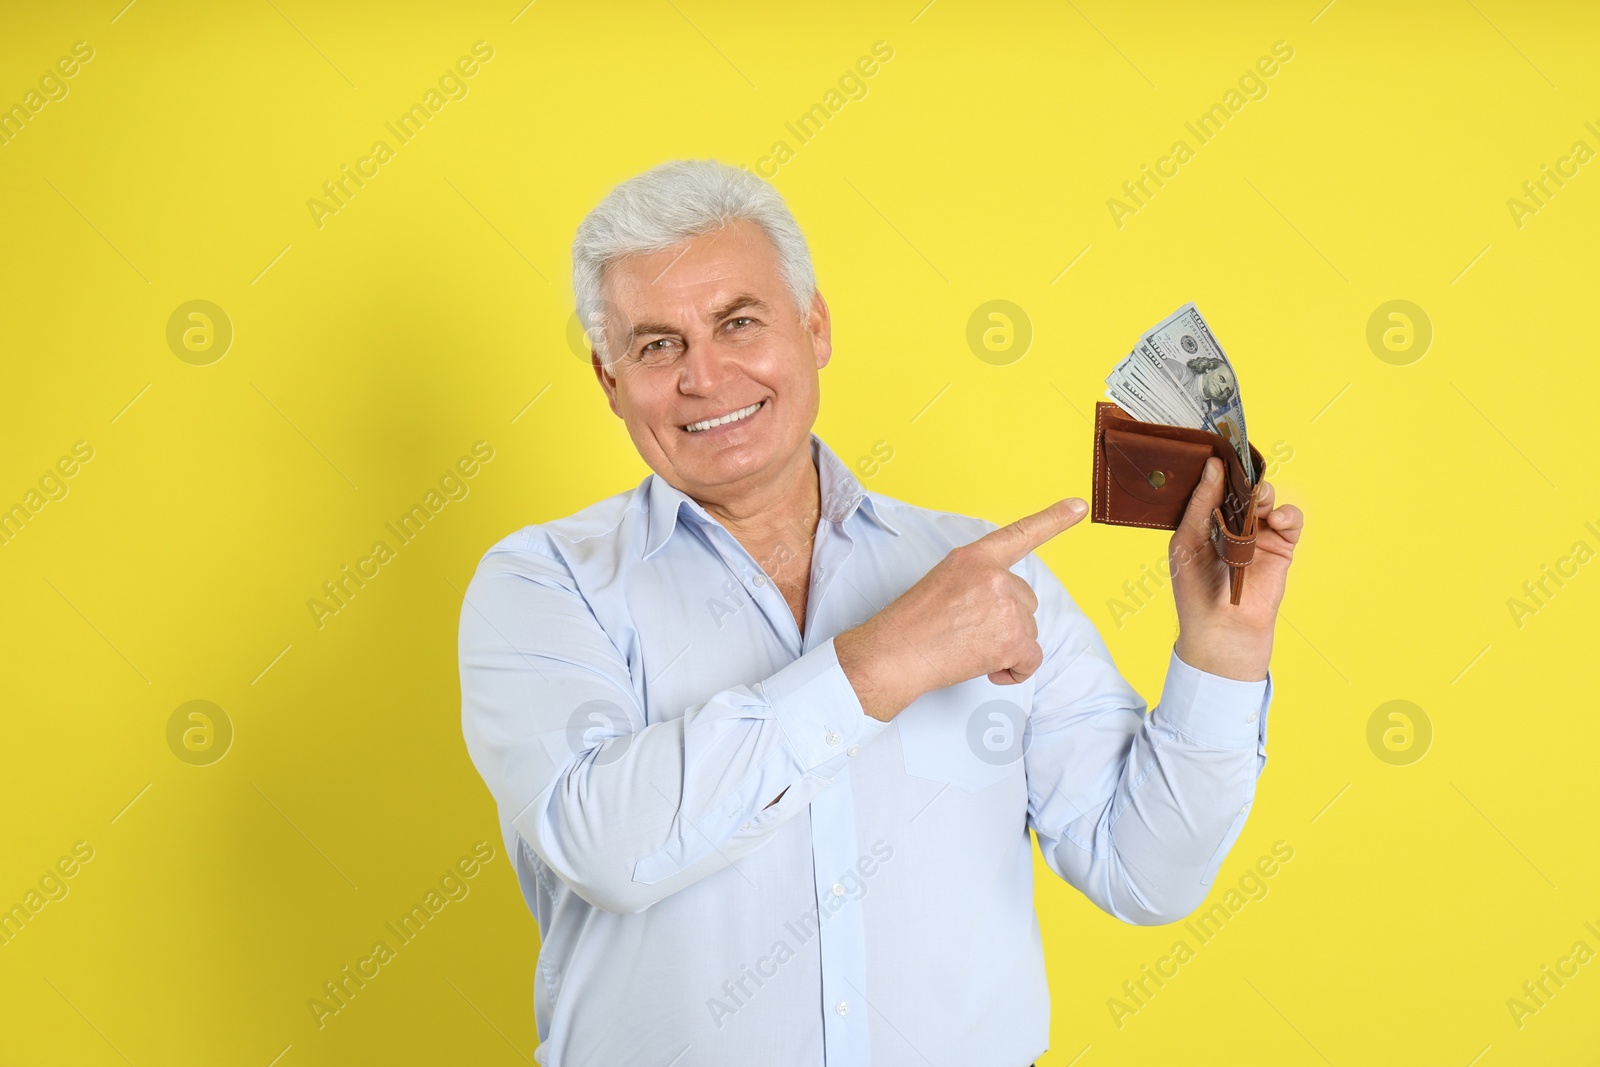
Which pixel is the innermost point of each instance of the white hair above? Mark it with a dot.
(672, 203)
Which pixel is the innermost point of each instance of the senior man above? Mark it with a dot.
(767, 747)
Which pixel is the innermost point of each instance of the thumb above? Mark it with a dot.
(1194, 531)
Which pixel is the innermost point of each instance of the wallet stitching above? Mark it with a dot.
(1248, 542)
(1105, 468)
(1236, 571)
(1099, 456)
(1105, 478)
(1105, 465)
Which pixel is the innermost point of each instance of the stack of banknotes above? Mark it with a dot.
(1179, 375)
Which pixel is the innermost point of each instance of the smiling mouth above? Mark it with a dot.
(722, 420)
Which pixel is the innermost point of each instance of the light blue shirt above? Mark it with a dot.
(635, 692)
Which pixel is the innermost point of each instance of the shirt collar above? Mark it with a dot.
(841, 494)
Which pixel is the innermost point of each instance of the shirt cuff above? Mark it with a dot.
(1215, 711)
(818, 708)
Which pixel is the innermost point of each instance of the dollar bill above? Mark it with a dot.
(1147, 367)
(1195, 362)
(1132, 393)
(1179, 375)
(1142, 388)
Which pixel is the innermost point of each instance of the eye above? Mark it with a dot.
(659, 350)
(741, 319)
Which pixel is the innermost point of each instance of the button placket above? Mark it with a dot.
(829, 554)
(746, 573)
(842, 938)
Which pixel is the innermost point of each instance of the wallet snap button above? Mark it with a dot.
(1156, 478)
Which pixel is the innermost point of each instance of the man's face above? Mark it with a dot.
(705, 330)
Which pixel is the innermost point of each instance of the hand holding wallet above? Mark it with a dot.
(1145, 473)
(1177, 404)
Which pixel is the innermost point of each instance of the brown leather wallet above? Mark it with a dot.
(1145, 473)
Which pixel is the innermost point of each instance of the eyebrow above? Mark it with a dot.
(738, 302)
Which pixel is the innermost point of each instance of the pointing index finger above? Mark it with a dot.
(1012, 542)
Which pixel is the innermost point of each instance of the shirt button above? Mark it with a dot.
(746, 826)
(1250, 717)
(852, 750)
(1244, 809)
(838, 890)
(843, 1007)
(833, 738)
(759, 580)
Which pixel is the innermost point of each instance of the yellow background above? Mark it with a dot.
(433, 308)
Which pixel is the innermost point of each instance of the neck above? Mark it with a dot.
(784, 509)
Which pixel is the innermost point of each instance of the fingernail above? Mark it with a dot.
(1212, 473)
(1076, 506)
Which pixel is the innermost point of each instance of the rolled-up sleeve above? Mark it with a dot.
(1136, 811)
(626, 812)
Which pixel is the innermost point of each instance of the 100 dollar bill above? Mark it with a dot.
(1179, 375)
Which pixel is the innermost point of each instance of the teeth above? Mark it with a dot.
(732, 416)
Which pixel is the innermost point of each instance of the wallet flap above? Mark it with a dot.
(1145, 474)
(1157, 470)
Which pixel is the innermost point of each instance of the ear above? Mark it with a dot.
(608, 381)
(819, 324)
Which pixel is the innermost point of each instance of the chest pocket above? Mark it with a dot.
(970, 735)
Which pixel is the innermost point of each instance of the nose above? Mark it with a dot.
(704, 366)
